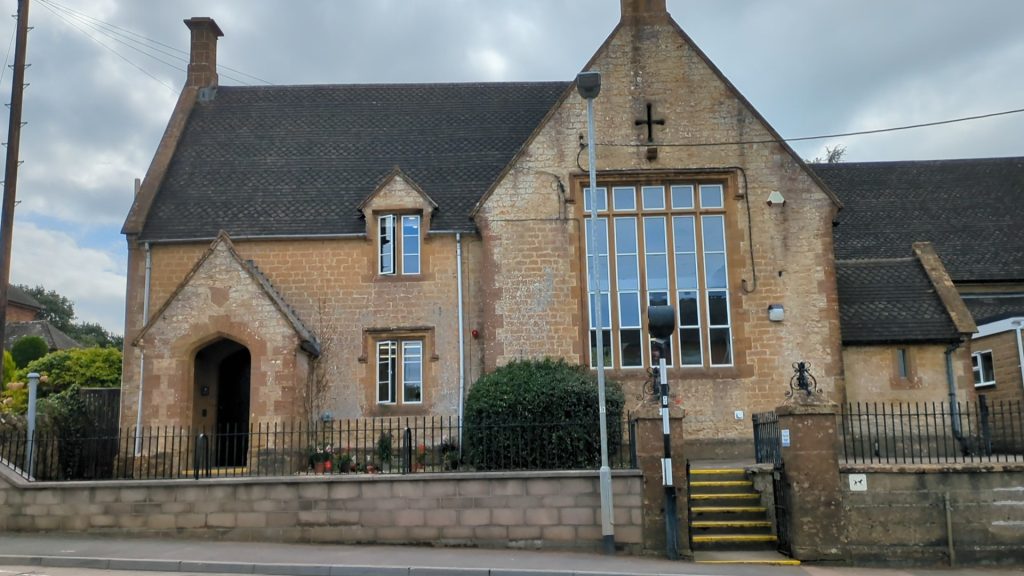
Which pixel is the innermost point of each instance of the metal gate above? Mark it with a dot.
(780, 492)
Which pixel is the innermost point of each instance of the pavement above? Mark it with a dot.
(140, 556)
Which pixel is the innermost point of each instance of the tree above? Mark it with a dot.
(92, 335)
(59, 311)
(27, 349)
(833, 155)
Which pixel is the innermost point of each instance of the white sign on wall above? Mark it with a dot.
(858, 483)
(785, 437)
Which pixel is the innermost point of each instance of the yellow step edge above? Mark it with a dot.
(710, 471)
(765, 562)
(748, 496)
(736, 538)
(714, 509)
(713, 483)
(731, 524)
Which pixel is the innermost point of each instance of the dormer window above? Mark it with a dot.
(399, 244)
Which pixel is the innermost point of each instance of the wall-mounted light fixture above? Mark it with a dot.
(776, 313)
(776, 198)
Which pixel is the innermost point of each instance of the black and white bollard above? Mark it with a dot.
(671, 520)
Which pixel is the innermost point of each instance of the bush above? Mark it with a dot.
(9, 369)
(27, 349)
(86, 367)
(539, 414)
(14, 400)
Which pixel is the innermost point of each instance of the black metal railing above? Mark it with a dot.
(767, 447)
(370, 445)
(933, 432)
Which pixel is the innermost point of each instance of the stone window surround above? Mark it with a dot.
(612, 180)
(401, 351)
(373, 335)
(398, 243)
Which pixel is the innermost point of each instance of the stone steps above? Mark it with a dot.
(725, 512)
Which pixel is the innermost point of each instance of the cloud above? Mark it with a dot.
(94, 120)
(94, 280)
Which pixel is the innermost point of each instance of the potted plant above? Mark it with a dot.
(385, 450)
(421, 458)
(320, 457)
(344, 462)
(449, 453)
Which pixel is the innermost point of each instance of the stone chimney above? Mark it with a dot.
(202, 65)
(644, 11)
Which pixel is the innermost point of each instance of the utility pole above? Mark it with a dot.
(11, 171)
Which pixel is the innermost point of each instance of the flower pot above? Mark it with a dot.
(319, 467)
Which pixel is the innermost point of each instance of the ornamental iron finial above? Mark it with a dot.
(802, 380)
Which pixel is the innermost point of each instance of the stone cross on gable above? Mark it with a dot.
(650, 122)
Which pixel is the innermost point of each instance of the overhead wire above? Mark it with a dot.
(137, 42)
(118, 34)
(820, 137)
(7, 58)
(115, 52)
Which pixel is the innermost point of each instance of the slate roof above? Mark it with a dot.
(990, 307)
(971, 210)
(890, 300)
(19, 296)
(54, 337)
(298, 160)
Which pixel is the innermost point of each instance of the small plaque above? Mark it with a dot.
(785, 437)
(858, 483)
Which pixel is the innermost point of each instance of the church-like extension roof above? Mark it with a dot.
(994, 307)
(890, 300)
(968, 209)
(298, 160)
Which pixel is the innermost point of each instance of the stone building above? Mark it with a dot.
(370, 250)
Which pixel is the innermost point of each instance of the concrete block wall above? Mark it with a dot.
(901, 517)
(532, 509)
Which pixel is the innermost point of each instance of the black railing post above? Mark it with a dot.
(202, 456)
(407, 448)
(983, 420)
(634, 459)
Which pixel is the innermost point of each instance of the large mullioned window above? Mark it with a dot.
(657, 245)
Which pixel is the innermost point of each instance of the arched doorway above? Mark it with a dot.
(222, 376)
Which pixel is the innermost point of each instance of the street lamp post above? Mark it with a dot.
(588, 84)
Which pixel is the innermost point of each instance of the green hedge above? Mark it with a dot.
(539, 415)
(27, 349)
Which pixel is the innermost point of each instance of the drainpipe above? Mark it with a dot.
(954, 408)
(142, 355)
(1020, 351)
(462, 336)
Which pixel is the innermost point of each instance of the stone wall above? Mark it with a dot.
(1006, 363)
(530, 509)
(334, 289)
(871, 374)
(534, 281)
(901, 516)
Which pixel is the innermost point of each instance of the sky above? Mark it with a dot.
(98, 101)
